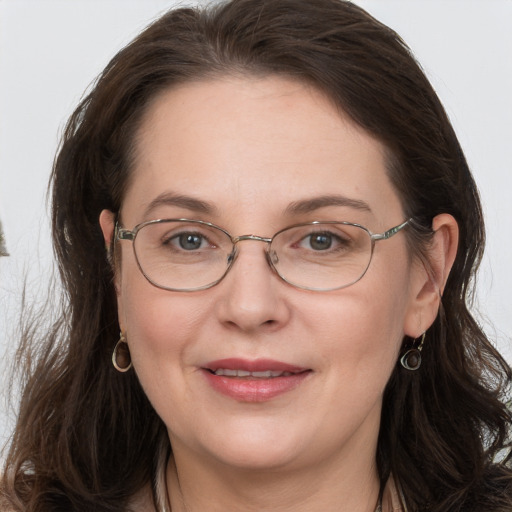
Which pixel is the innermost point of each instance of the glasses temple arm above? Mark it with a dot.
(390, 232)
(123, 234)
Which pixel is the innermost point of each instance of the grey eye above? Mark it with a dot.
(190, 241)
(320, 241)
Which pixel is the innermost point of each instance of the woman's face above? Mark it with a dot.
(243, 154)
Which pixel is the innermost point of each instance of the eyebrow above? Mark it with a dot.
(315, 203)
(294, 208)
(182, 201)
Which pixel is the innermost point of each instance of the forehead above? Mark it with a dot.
(253, 145)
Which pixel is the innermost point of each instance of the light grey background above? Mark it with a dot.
(50, 51)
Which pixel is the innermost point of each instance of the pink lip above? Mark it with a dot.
(253, 389)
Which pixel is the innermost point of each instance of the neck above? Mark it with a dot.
(330, 486)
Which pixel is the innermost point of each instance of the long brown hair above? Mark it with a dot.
(86, 435)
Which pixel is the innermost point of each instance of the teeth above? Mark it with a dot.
(267, 374)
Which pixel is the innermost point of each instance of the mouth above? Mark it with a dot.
(253, 381)
(244, 374)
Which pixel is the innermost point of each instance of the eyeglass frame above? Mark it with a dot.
(121, 233)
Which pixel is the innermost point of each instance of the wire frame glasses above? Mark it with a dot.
(189, 255)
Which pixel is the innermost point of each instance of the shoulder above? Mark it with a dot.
(142, 501)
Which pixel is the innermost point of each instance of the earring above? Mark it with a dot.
(411, 360)
(121, 358)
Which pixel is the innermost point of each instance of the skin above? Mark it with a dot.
(251, 147)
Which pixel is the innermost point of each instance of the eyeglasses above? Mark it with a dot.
(190, 255)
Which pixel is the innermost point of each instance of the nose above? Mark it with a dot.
(252, 297)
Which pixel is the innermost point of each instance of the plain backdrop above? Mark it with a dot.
(51, 50)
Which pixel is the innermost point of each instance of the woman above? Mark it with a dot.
(266, 230)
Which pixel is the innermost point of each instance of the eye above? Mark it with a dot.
(322, 241)
(187, 241)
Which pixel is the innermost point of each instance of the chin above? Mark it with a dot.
(259, 458)
(256, 447)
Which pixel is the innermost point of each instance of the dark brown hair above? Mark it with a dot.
(86, 436)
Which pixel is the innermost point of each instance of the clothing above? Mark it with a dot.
(392, 498)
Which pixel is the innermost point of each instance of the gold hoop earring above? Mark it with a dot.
(411, 360)
(121, 358)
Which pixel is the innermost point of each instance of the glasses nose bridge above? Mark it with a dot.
(255, 238)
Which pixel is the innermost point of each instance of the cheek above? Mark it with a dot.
(361, 328)
(159, 325)
(359, 339)
(162, 329)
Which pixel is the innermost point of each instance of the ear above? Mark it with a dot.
(107, 225)
(430, 276)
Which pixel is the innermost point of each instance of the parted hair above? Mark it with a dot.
(86, 436)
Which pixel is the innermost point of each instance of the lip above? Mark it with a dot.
(255, 389)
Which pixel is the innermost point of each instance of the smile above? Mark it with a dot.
(268, 374)
(253, 381)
